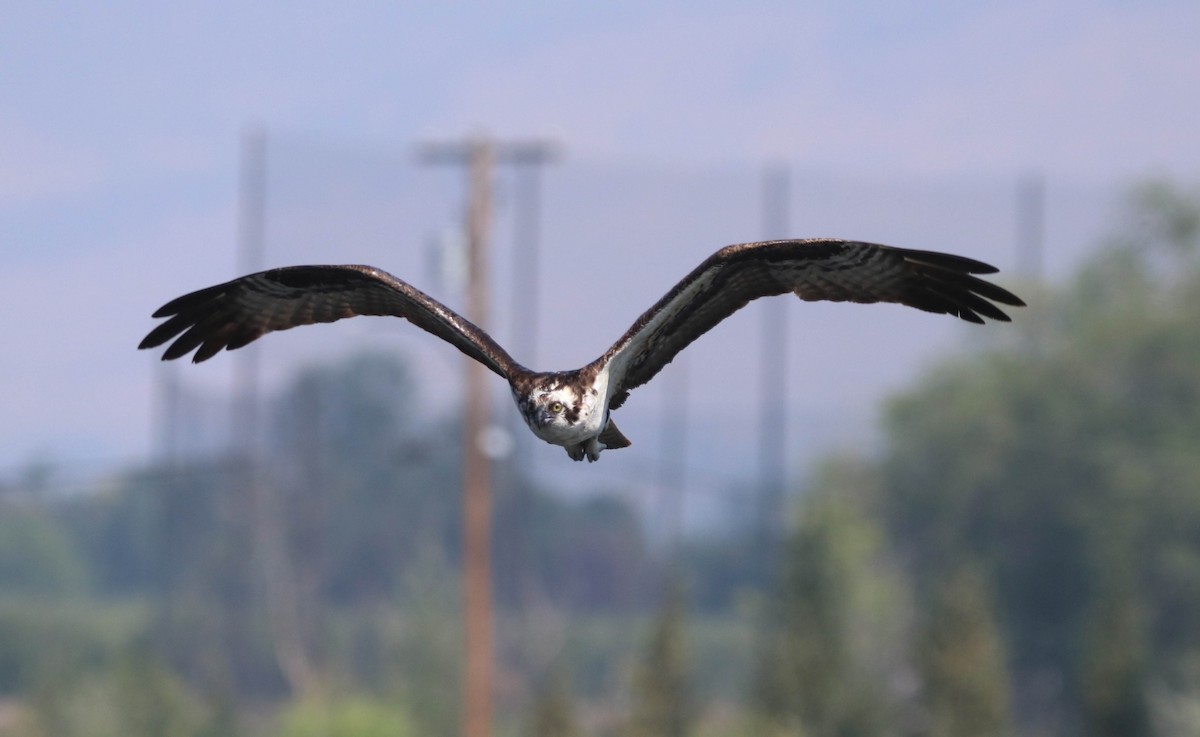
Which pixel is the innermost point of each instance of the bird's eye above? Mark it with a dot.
(557, 407)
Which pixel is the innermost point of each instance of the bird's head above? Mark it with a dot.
(550, 408)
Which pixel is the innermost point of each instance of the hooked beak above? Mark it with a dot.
(537, 417)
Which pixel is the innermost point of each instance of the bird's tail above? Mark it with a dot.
(613, 438)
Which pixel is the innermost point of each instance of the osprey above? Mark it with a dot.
(572, 408)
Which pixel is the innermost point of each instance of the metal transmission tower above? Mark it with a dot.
(252, 195)
(673, 464)
(480, 156)
(282, 597)
(526, 279)
(528, 160)
(1031, 225)
(772, 440)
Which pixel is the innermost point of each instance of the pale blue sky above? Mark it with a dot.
(119, 128)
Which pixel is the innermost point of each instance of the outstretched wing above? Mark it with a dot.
(815, 269)
(230, 315)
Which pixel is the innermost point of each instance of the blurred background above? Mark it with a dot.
(833, 520)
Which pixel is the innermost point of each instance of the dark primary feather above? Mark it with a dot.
(816, 269)
(230, 315)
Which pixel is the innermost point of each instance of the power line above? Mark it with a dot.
(673, 464)
(479, 155)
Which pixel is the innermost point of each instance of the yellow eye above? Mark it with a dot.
(557, 407)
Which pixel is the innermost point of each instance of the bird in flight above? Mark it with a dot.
(573, 408)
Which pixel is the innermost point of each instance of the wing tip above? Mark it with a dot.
(953, 278)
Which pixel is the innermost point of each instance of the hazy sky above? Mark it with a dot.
(120, 122)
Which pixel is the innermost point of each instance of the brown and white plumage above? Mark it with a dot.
(571, 408)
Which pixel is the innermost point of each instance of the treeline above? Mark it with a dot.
(1022, 558)
(1025, 557)
(322, 568)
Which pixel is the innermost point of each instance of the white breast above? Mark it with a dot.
(596, 402)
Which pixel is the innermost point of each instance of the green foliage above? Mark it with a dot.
(137, 697)
(553, 712)
(1066, 464)
(662, 703)
(1175, 698)
(345, 717)
(1113, 664)
(961, 661)
(46, 641)
(357, 411)
(116, 532)
(36, 554)
(592, 560)
(422, 645)
(829, 642)
(357, 490)
(365, 516)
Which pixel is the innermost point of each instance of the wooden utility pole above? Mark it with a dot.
(480, 156)
(477, 499)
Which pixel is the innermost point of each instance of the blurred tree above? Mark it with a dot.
(347, 487)
(344, 717)
(46, 641)
(662, 705)
(1113, 662)
(599, 557)
(1175, 699)
(825, 650)
(733, 564)
(961, 661)
(366, 499)
(116, 532)
(357, 411)
(553, 711)
(1064, 460)
(422, 644)
(36, 554)
(170, 532)
(345, 504)
(137, 696)
(587, 555)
